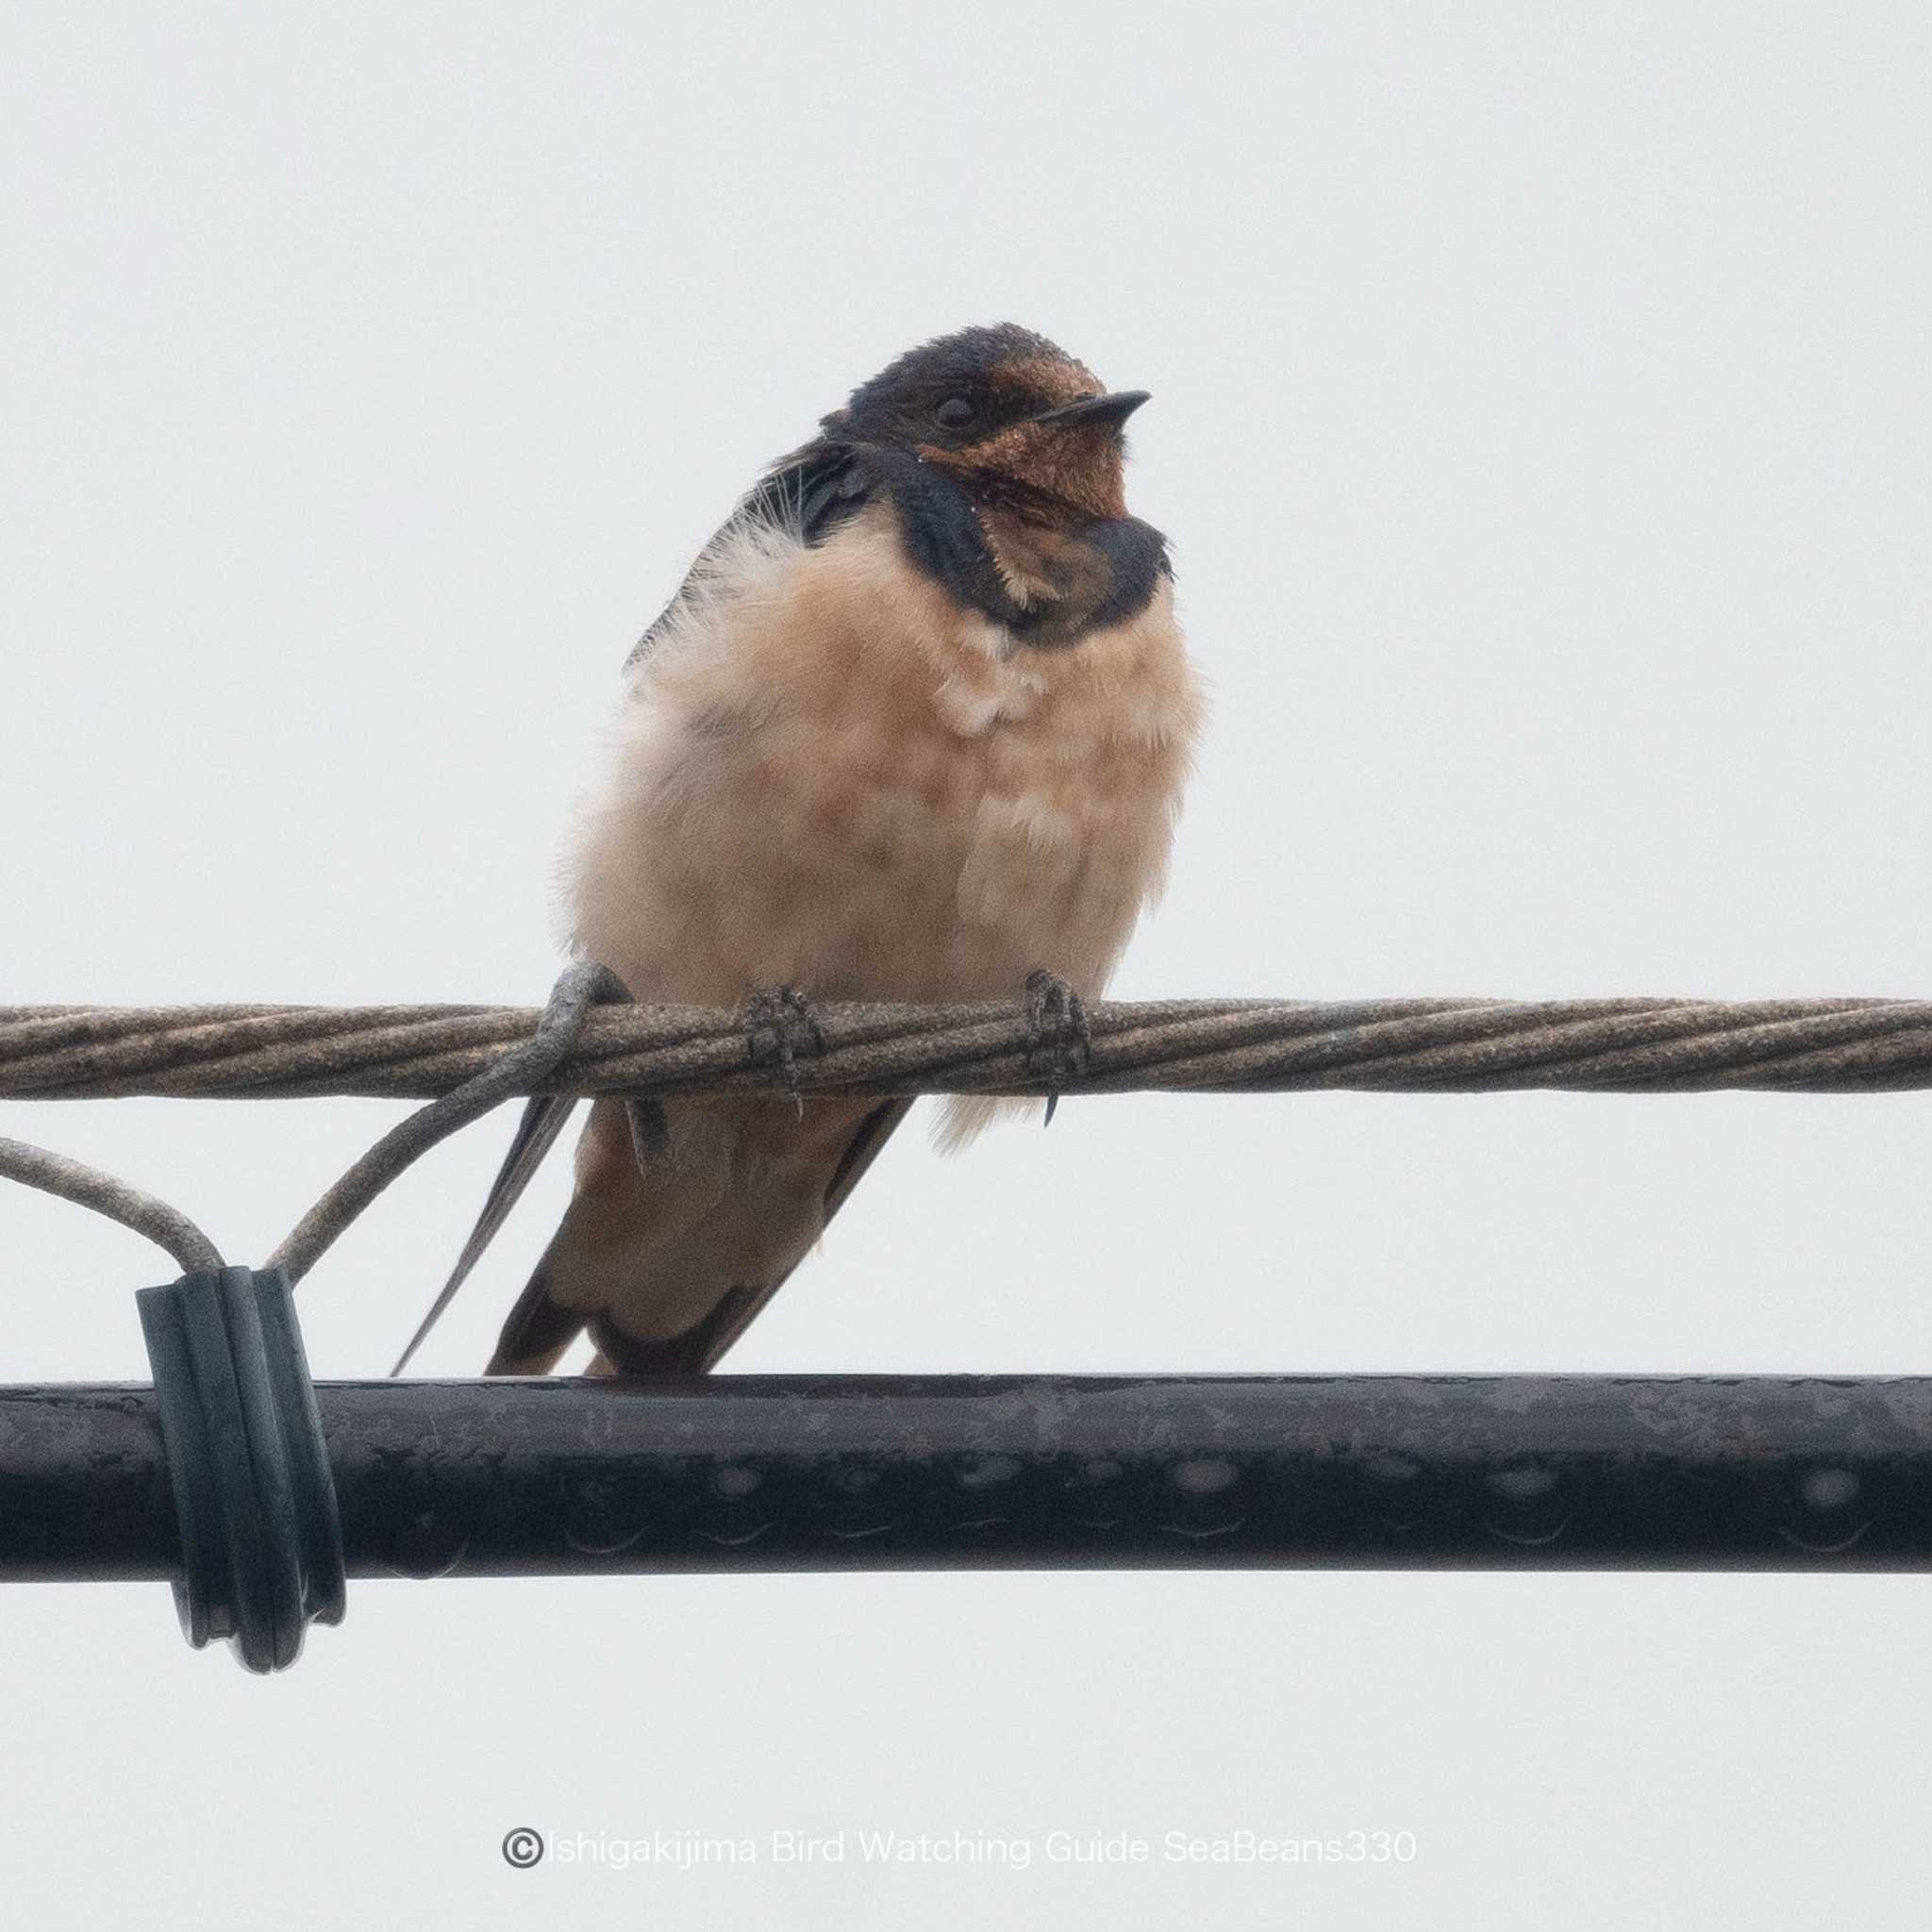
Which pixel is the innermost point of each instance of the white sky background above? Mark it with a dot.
(1542, 421)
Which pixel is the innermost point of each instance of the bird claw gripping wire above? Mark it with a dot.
(1060, 1040)
(780, 1028)
(650, 1132)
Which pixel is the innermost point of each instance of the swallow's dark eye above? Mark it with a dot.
(956, 413)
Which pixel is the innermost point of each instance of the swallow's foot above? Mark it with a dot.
(650, 1132)
(780, 1029)
(1059, 1042)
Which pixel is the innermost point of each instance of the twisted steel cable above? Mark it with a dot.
(1405, 1045)
(510, 1072)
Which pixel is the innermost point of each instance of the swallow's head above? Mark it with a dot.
(1013, 418)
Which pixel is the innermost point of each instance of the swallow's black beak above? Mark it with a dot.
(1106, 412)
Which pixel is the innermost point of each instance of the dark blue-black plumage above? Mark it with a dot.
(893, 442)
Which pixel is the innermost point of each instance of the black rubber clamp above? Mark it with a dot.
(261, 1541)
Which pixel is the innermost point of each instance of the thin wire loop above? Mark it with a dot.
(513, 1073)
(88, 1187)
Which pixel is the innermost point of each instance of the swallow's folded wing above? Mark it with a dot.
(808, 494)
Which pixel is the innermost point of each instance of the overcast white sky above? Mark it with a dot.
(1544, 424)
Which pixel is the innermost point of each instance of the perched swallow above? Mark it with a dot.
(914, 727)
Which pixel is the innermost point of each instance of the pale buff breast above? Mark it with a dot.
(827, 776)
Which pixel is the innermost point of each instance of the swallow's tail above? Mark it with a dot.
(668, 1258)
(544, 1118)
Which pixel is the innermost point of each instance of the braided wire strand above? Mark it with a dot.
(1403, 1045)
